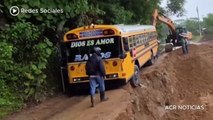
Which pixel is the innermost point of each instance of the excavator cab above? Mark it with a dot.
(181, 30)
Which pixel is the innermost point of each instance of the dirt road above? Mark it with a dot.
(77, 108)
(174, 80)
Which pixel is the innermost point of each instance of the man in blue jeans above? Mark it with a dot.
(184, 43)
(96, 72)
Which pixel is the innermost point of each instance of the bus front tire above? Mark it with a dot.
(135, 81)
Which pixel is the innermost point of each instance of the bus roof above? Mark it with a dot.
(120, 29)
(134, 28)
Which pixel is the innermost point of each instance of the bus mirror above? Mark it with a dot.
(123, 55)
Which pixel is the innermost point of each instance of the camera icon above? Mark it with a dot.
(14, 11)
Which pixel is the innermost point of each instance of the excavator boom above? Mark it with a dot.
(156, 17)
(175, 34)
(168, 22)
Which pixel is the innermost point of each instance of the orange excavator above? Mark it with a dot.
(176, 33)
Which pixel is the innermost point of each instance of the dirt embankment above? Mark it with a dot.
(177, 87)
(175, 79)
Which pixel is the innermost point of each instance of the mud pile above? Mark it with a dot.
(177, 87)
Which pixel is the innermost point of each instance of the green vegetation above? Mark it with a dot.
(28, 43)
(193, 26)
(196, 38)
(176, 7)
(208, 24)
(23, 59)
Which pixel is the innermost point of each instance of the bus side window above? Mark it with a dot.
(137, 40)
(140, 39)
(150, 37)
(130, 42)
(126, 44)
(134, 41)
(144, 39)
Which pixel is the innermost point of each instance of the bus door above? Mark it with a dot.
(128, 63)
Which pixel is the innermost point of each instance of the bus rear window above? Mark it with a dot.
(80, 50)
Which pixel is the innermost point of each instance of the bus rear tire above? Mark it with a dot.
(135, 81)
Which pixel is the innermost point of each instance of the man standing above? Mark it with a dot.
(96, 72)
(184, 43)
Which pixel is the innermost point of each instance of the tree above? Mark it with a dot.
(208, 23)
(192, 26)
(175, 7)
(142, 9)
(113, 12)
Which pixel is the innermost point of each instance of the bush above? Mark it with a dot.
(23, 60)
(9, 100)
(209, 30)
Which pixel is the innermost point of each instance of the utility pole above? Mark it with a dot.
(199, 21)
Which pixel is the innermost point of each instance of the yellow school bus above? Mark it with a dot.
(125, 48)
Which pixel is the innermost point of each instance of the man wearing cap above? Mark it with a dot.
(184, 43)
(96, 72)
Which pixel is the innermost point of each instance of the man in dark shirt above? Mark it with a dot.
(96, 72)
(184, 43)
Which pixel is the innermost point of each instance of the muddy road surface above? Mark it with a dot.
(176, 87)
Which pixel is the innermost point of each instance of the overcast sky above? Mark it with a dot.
(205, 7)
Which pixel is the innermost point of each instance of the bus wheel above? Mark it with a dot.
(135, 81)
(168, 47)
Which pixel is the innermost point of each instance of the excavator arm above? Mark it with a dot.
(175, 35)
(156, 17)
